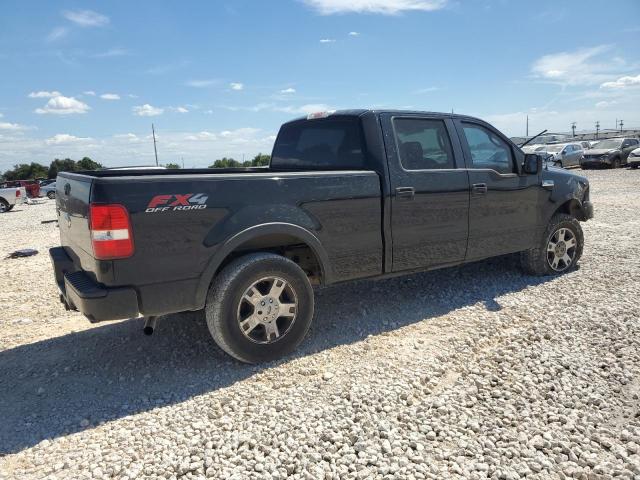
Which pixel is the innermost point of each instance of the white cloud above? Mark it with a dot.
(236, 86)
(623, 82)
(354, 34)
(60, 105)
(130, 137)
(202, 83)
(606, 104)
(147, 110)
(90, 93)
(86, 18)
(112, 52)
(305, 109)
(110, 96)
(57, 33)
(288, 91)
(426, 90)
(44, 94)
(179, 109)
(386, 7)
(587, 66)
(13, 127)
(65, 138)
(327, 40)
(202, 136)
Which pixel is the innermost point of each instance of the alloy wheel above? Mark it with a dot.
(267, 310)
(561, 249)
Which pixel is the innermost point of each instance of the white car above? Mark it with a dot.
(10, 197)
(633, 160)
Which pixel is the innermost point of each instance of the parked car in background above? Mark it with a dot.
(633, 160)
(612, 152)
(49, 190)
(10, 197)
(49, 181)
(564, 155)
(585, 145)
(31, 186)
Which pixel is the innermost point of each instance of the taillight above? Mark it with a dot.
(111, 234)
(17, 193)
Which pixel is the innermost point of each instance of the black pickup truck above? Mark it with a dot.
(348, 195)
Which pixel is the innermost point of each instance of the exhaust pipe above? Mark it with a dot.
(149, 325)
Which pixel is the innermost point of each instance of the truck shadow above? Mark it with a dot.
(70, 383)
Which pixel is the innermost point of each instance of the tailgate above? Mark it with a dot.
(73, 195)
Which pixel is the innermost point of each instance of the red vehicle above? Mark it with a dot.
(31, 186)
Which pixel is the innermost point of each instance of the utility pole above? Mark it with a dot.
(573, 128)
(527, 132)
(155, 149)
(597, 129)
(621, 124)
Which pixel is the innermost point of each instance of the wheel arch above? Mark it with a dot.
(266, 237)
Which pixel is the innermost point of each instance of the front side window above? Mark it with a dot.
(423, 144)
(488, 150)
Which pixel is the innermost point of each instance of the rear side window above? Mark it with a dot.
(488, 150)
(331, 143)
(423, 144)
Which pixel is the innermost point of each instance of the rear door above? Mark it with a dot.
(503, 208)
(430, 192)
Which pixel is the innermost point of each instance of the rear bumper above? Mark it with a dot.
(78, 291)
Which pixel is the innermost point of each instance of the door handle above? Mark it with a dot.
(406, 193)
(479, 188)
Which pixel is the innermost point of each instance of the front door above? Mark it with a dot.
(503, 208)
(430, 194)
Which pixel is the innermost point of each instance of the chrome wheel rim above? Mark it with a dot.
(561, 249)
(267, 310)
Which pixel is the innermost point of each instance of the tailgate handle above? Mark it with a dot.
(480, 188)
(406, 193)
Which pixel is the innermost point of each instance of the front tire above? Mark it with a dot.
(4, 205)
(560, 248)
(51, 195)
(260, 307)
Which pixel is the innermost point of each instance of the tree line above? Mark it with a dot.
(33, 170)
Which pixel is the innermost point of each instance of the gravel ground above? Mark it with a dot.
(465, 373)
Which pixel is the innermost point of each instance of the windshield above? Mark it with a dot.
(612, 143)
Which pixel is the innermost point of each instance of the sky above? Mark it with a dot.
(217, 78)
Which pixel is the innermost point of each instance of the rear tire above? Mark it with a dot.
(4, 205)
(259, 307)
(51, 195)
(561, 245)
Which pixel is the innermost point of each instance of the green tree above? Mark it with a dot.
(225, 162)
(26, 171)
(87, 164)
(260, 160)
(172, 166)
(66, 165)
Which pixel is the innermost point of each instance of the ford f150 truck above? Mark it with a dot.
(348, 195)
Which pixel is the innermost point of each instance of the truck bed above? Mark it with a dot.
(175, 245)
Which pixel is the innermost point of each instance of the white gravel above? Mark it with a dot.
(466, 373)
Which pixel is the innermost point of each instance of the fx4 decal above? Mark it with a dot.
(177, 201)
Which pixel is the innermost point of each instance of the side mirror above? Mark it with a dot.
(532, 163)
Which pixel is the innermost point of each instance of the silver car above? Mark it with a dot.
(565, 155)
(49, 190)
(633, 160)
